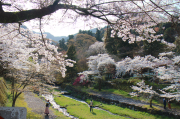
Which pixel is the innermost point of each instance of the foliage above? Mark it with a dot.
(59, 78)
(82, 64)
(98, 35)
(28, 59)
(116, 45)
(124, 84)
(153, 48)
(86, 32)
(81, 44)
(177, 43)
(99, 82)
(168, 35)
(70, 37)
(71, 71)
(170, 31)
(62, 45)
(130, 19)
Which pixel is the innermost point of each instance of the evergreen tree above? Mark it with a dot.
(98, 35)
(177, 43)
(71, 37)
(62, 45)
(80, 31)
(169, 35)
(119, 47)
(109, 43)
(89, 33)
(86, 32)
(71, 71)
(153, 48)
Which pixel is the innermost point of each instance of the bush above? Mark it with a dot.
(124, 84)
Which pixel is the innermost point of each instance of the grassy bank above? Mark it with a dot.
(127, 112)
(124, 94)
(82, 110)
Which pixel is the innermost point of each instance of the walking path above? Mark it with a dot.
(131, 101)
(37, 105)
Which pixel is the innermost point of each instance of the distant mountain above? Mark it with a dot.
(93, 30)
(55, 38)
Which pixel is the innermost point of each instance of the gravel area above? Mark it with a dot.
(37, 105)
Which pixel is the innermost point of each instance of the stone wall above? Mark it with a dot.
(13, 112)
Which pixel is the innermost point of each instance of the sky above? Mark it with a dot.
(62, 30)
(63, 27)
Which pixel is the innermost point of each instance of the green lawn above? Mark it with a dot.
(126, 94)
(82, 110)
(126, 111)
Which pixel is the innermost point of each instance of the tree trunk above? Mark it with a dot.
(12, 92)
(99, 84)
(14, 101)
(151, 103)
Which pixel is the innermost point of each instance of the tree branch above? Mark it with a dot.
(22, 16)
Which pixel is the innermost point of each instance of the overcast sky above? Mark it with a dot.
(65, 27)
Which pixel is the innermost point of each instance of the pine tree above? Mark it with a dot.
(98, 35)
(62, 45)
(71, 71)
(70, 37)
(109, 43)
(153, 48)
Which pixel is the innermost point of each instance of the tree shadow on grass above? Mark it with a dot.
(93, 113)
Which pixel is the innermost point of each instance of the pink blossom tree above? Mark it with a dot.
(29, 60)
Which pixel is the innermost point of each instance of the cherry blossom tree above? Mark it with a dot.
(97, 65)
(28, 59)
(142, 88)
(122, 14)
(134, 66)
(97, 48)
(167, 68)
(150, 93)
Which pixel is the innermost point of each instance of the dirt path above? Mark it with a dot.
(131, 101)
(37, 105)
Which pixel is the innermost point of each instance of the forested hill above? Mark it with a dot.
(55, 38)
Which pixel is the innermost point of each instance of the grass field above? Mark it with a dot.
(126, 94)
(81, 110)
